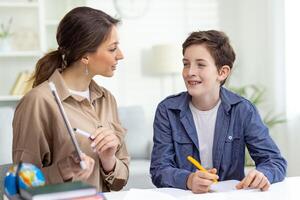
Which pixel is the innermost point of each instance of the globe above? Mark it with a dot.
(29, 176)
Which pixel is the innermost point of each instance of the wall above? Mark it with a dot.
(167, 21)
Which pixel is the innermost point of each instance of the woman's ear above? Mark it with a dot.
(85, 60)
(224, 72)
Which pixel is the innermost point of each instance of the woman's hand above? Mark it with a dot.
(200, 182)
(84, 174)
(70, 167)
(106, 143)
(255, 180)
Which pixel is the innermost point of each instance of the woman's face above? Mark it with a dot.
(104, 61)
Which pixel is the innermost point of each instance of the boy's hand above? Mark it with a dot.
(200, 182)
(255, 180)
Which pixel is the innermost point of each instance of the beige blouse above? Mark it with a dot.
(40, 135)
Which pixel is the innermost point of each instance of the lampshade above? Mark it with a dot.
(166, 59)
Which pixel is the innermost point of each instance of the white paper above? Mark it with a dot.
(224, 186)
(138, 194)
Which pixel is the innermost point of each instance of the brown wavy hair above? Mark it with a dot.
(80, 31)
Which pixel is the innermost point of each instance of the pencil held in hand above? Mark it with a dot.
(198, 165)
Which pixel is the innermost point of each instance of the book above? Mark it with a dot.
(68, 190)
(22, 84)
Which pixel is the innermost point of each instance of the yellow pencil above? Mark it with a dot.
(198, 165)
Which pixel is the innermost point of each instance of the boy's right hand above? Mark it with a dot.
(200, 182)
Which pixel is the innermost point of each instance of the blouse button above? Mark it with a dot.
(230, 137)
(99, 126)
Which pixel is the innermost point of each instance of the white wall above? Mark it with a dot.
(292, 85)
(255, 27)
(167, 21)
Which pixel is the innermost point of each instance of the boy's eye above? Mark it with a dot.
(200, 65)
(186, 64)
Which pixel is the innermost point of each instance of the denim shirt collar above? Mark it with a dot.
(181, 103)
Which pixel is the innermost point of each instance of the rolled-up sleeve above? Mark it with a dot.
(263, 149)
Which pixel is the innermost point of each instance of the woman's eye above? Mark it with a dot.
(112, 50)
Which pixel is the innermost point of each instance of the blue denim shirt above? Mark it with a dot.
(238, 124)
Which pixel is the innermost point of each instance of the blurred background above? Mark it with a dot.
(264, 34)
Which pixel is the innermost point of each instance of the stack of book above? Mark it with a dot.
(69, 190)
(22, 84)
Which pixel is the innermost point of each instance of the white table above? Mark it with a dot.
(289, 189)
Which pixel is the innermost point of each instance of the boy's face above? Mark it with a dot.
(200, 73)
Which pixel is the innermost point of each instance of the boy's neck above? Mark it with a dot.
(206, 102)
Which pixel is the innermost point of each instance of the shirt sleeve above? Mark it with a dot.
(162, 169)
(117, 178)
(263, 149)
(30, 137)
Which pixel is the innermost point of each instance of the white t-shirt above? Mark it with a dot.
(85, 94)
(205, 122)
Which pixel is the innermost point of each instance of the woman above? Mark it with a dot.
(87, 46)
(212, 124)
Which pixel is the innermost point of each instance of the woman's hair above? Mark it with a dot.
(217, 44)
(81, 31)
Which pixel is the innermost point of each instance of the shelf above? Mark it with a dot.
(20, 54)
(19, 4)
(9, 98)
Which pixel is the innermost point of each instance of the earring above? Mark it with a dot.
(86, 70)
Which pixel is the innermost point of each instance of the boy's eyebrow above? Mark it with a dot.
(200, 59)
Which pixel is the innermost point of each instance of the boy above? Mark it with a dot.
(211, 124)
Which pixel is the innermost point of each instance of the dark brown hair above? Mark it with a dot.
(80, 31)
(217, 44)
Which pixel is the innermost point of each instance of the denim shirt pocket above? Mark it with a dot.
(184, 147)
(232, 148)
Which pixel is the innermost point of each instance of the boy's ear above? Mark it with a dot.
(224, 72)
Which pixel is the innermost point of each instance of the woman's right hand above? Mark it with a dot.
(70, 167)
(200, 182)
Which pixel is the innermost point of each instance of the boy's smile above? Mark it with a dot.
(200, 73)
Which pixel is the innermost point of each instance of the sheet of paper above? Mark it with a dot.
(138, 194)
(224, 186)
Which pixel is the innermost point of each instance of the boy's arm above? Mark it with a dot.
(163, 169)
(262, 148)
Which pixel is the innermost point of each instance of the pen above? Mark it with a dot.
(198, 165)
(83, 133)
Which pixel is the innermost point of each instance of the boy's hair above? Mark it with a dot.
(217, 44)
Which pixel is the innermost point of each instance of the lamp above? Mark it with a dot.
(166, 61)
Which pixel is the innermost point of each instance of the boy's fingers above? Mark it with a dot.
(212, 171)
(207, 175)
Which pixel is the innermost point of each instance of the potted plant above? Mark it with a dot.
(255, 94)
(5, 35)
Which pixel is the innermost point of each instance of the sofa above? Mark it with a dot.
(139, 144)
